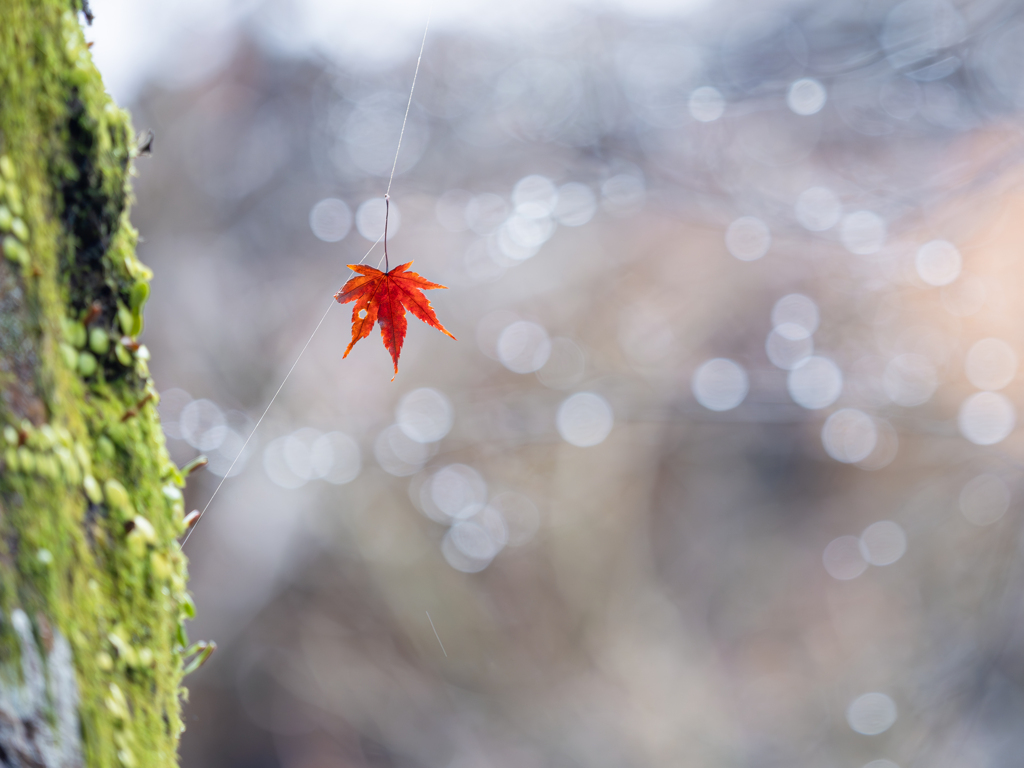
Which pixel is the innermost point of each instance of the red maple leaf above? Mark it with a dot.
(385, 297)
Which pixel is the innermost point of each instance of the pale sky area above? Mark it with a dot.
(179, 43)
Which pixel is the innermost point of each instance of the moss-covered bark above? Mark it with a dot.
(92, 583)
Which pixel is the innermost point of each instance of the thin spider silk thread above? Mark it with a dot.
(437, 635)
(266, 410)
(401, 134)
(408, 105)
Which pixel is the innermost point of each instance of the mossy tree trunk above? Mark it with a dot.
(92, 582)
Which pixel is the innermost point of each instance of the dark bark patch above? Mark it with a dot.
(91, 207)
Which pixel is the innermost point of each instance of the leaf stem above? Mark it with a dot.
(387, 211)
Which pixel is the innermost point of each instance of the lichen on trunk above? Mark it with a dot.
(92, 581)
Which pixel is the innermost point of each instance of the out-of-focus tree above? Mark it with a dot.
(92, 582)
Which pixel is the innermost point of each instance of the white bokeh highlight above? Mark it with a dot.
(816, 384)
(522, 517)
(796, 309)
(748, 238)
(706, 104)
(575, 206)
(863, 233)
(330, 219)
(424, 415)
(991, 364)
(849, 435)
(986, 418)
(788, 346)
(883, 543)
(524, 346)
(292, 460)
(871, 713)
(843, 559)
(398, 454)
(584, 419)
(720, 384)
(938, 262)
(202, 425)
(806, 96)
(534, 197)
(623, 194)
(456, 491)
(818, 209)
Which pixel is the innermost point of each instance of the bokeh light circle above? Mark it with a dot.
(806, 96)
(490, 328)
(424, 415)
(706, 104)
(524, 347)
(986, 418)
(748, 238)
(459, 540)
(202, 424)
(984, 499)
(298, 456)
(585, 419)
(230, 457)
(623, 194)
(172, 402)
(796, 309)
(871, 713)
(398, 454)
(938, 262)
(887, 444)
(534, 197)
(472, 540)
(528, 233)
(458, 491)
(843, 559)
(510, 240)
(788, 346)
(818, 209)
(575, 206)
(335, 457)
(849, 435)
(817, 383)
(863, 232)
(276, 465)
(910, 380)
(991, 364)
(521, 516)
(883, 543)
(492, 521)
(330, 220)
(720, 384)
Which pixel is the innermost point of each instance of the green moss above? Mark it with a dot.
(89, 503)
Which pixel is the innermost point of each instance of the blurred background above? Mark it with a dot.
(724, 468)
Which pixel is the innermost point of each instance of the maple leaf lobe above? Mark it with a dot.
(384, 298)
